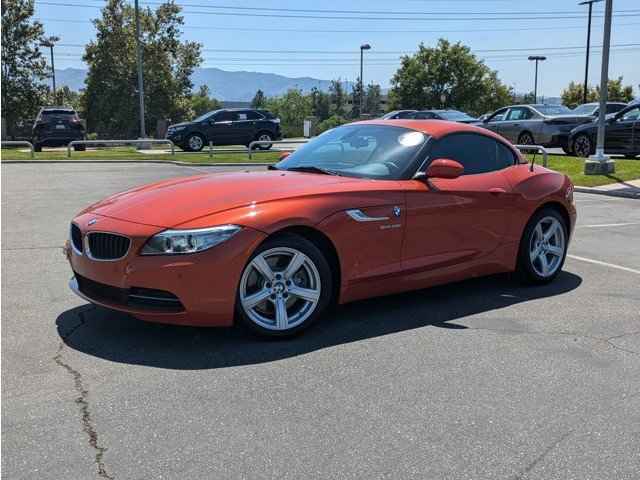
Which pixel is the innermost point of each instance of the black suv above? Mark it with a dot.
(226, 127)
(56, 127)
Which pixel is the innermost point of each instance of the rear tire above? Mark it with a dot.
(37, 147)
(525, 138)
(284, 288)
(265, 137)
(79, 148)
(631, 156)
(543, 247)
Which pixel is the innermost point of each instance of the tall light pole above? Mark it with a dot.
(599, 163)
(586, 65)
(536, 58)
(363, 47)
(140, 77)
(50, 43)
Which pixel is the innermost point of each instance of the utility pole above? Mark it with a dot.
(50, 43)
(586, 65)
(600, 164)
(536, 58)
(143, 133)
(363, 47)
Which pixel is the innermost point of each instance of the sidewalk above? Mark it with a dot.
(629, 189)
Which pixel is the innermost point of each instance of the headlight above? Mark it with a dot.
(175, 129)
(171, 242)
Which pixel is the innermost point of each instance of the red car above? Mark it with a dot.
(370, 208)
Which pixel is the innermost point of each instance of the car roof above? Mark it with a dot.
(434, 128)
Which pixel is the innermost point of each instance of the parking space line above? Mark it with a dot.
(604, 264)
(602, 225)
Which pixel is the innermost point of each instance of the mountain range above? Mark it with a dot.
(223, 85)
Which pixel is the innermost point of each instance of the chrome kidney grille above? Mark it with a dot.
(76, 238)
(106, 246)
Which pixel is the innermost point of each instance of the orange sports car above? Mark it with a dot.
(370, 208)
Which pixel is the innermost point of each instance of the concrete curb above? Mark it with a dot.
(164, 162)
(609, 193)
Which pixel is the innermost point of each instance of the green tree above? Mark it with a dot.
(450, 72)
(291, 108)
(202, 102)
(69, 98)
(572, 95)
(320, 104)
(337, 98)
(259, 100)
(24, 68)
(373, 97)
(356, 93)
(111, 98)
(617, 92)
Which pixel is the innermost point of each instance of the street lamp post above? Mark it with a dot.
(536, 58)
(363, 47)
(140, 77)
(586, 65)
(600, 164)
(50, 43)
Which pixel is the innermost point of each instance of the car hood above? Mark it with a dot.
(173, 202)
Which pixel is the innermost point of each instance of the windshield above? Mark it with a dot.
(455, 115)
(203, 117)
(585, 109)
(368, 151)
(552, 109)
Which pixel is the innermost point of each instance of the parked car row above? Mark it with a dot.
(553, 126)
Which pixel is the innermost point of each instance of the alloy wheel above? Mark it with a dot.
(582, 146)
(525, 139)
(547, 246)
(195, 142)
(280, 288)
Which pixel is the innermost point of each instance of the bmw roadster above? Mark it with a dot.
(370, 208)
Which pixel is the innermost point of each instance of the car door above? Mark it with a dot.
(457, 221)
(495, 121)
(517, 120)
(620, 131)
(220, 128)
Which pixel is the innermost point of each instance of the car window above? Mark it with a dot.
(498, 115)
(614, 108)
(552, 109)
(253, 115)
(633, 114)
(423, 115)
(368, 151)
(519, 113)
(477, 153)
(226, 116)
(405, 115)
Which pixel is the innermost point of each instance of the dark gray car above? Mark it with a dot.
(546, 125)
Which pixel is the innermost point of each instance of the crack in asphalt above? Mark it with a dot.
(531, 465)
(88, 425)
(606, 340)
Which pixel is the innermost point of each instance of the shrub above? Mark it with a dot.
(331, 122)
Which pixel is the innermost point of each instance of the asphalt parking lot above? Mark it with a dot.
(483, 379)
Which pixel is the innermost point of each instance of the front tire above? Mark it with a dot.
(543, 247)
(284, 288)
(194, 142)
(583, 146)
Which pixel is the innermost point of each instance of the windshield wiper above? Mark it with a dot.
(312, 169)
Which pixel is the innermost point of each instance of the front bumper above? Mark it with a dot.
(204, 284)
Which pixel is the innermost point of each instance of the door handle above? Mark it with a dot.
(497, 190)
(516, 124)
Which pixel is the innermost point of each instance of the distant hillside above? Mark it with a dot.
(229, 86)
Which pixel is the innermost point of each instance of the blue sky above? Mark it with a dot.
(257, 38)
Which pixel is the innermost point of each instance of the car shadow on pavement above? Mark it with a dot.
(120, 338)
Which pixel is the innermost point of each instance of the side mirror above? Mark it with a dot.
(485, 120)
(283, 155)
(444, 168)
